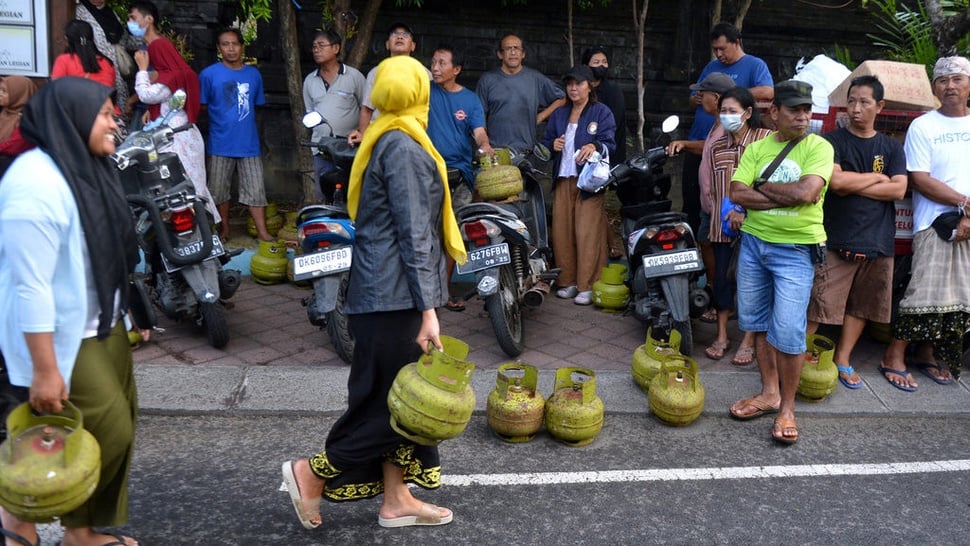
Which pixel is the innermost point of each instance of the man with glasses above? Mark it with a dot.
(400, 41)
(336, 92)
(516, 98)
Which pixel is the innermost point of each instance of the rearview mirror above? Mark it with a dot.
(312, 119)
(541, 152)
(670, 124)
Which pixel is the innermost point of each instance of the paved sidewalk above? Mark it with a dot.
(276, 361)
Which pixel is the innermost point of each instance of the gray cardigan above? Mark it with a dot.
(398, 255)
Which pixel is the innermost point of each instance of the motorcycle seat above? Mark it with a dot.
(311, 212)
(661, 218)
(472, 210)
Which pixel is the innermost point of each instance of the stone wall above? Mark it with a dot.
(676, 48)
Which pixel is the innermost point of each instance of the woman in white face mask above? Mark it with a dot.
(742, 125)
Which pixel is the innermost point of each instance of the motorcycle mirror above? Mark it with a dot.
(541, 152)
(177, 101)
(670, 124)
(312, 119)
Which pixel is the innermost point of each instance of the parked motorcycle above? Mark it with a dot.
(665, 263)
(508, 251)
(183, 258)
(326, 236)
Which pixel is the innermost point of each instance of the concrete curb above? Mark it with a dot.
(304, 390)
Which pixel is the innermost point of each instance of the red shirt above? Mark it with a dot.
(69, 64)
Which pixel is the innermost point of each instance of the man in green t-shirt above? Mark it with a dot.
(782, 237)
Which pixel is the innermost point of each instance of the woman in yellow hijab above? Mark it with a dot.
(399, 199)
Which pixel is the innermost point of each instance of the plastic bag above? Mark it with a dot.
(595, 174)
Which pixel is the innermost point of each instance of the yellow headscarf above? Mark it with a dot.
(401, 93)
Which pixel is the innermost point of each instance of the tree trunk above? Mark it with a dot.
(365, 30)
(947, 31)
(640, 24)
(716, 14)
(569, 31)
(743, 7)
(342, 23)
(294, 79)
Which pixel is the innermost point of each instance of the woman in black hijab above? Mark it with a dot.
(67, 248)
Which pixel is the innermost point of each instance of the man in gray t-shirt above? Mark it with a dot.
(515, 95)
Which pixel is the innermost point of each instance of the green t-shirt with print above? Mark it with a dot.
(801, 224)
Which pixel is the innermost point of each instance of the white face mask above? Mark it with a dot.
(732, 122)
(136, 30)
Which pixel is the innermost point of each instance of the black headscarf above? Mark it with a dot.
(58, 119)
(107, 20)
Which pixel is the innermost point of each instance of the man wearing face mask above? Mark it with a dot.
(142, 16)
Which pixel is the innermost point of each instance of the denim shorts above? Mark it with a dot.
(774, 288)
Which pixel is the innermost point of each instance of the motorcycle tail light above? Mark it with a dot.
(183, 219)
(479, 231)
(669, 235)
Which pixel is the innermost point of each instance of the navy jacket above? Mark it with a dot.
(596, 125)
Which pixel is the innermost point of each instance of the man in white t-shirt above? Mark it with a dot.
(935, 309)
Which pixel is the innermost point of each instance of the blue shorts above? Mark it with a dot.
(774, 288)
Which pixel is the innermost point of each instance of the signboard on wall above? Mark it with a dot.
(23, 38)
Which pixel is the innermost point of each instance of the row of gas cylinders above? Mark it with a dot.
(676, 395)
(272, 263)
(431, 400)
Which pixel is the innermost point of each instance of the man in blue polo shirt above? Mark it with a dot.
(746, 71)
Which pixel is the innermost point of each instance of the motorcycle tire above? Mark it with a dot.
(505, 313)
(338, 327)
(686, 335)
(215, 325)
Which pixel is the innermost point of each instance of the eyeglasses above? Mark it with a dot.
(321, 46)
(510, 49)
(400, 33)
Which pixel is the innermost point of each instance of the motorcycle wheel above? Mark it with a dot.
(505, 313)
(339, 328)
(214, 322)
(686, 335)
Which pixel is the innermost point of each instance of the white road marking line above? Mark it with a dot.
(713, 473)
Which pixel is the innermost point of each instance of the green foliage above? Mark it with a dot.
(843, 55)
(261, 10)
(906, 34)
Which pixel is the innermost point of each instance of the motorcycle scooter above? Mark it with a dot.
(183, 258)
(508, 251)
(325, 233)
(665, 262)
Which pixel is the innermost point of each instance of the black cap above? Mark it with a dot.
(715, 82)
(580, 73)
(398, 25)
(793, 93)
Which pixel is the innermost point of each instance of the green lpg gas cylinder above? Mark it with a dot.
(647, 357)
(574, 414)
(819, 373)
(431, 400)
(676, 394)
(268, 264)
(610, 292)
(515, 408)
(49, 465)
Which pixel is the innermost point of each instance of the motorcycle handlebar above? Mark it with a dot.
(183, 128)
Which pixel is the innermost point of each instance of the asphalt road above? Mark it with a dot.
(215, 480)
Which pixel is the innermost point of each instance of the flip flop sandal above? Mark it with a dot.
(428, 515)
(455, 304)
(925, 367)
(848, 370)
(289, 478)
(905, 374)
(744, 356)
(16, 538)
(709, 316)
(778, 431)
(716, 350)
(761, 408)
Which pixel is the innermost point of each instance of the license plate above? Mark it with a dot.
(325, 262)
(670, 263)
(194, 248)
(485, 257)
